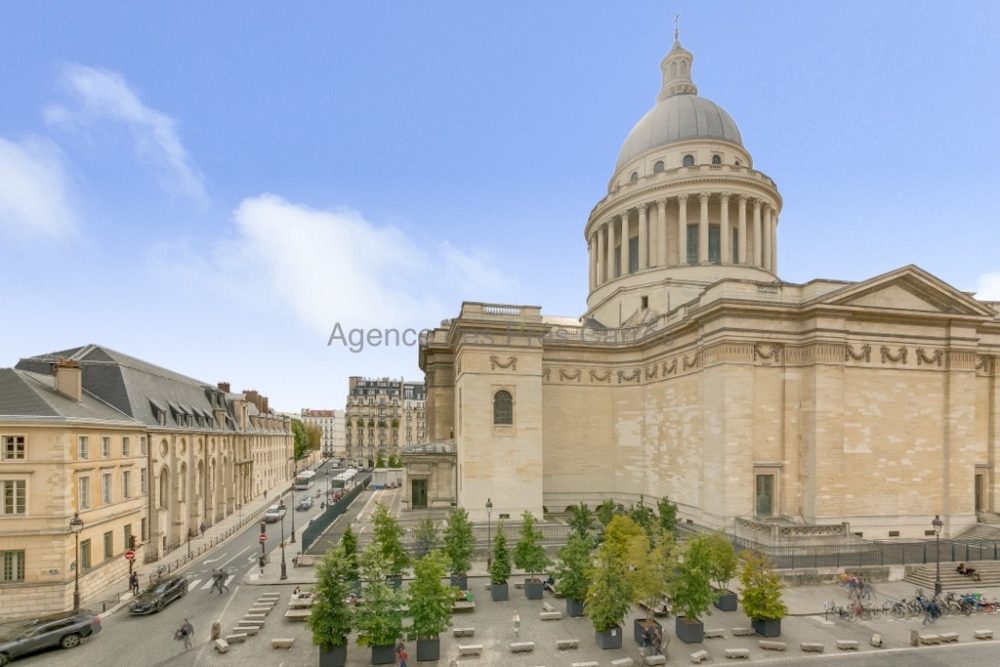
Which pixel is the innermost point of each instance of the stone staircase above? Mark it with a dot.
(981, 532)
(923, 576)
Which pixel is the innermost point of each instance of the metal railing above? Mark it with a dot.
(320, 524)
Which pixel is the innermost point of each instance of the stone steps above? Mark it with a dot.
(924, 576)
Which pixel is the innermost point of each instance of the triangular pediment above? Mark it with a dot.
(907, 289)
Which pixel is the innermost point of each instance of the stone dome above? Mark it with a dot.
(679, 118)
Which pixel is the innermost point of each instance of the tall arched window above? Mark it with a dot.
(503, 408)
(688, 161)
(716, 159)
(658, 167)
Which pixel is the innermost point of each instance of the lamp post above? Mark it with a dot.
(76, 525)
(937, 523)
(284, 572)
(295, 473)
(489, 536)
(328, 486)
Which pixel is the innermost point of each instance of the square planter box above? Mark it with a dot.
(335, 658)
(428, 649)
(574, 608)
(609, 639)
(692, 632)
(499, 592)
(726, 602)
(766, 628)
(639, 629)
(534, 589)
(384, 655)
(460, 581)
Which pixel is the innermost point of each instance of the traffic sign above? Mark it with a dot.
(262, 538)
(129, 555)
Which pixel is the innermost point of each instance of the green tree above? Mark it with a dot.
(761, 588)
(529, 554)
(651, 566)
(300, 440)
(379, 617)
(620, 537)
(458, 540)
(314, 437)
(394, 461)
(668, 515)
(330, 619)
(430, 600)
(722, 561)
(644, 516)
(426, 536)
(691, 589)
(574, 566)
(388, 536)
(500, 567)
(379, 460)
(607, 595)
(349, 547)
(606, 511)
(581, 519)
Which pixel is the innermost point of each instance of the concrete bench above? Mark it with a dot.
(269, 597)
(235, 638)
(259, 622)
(812, 647)
(771, 645)
(592, 663)
(297, 614)
(699, 657)
(547, 607)
(653, 660)
(550, 615)
(847, 645)
(301, 603)
(564, 644)
(522, 647)
(622, 662)
(221, 645)
(983, 634)
(948, 637)
(261, 610)
(715, 633)
(258, 615)
(245, 630)
(470, 649)
(463, 632)
(744, 632)
(876, 640)
(464, 605)
(286, 642)
(929, 640)
(738, 653)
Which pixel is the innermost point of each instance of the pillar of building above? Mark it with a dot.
(600, 256)
(774, 241)
(741, 232)
(703, 229)
(661, 212)
(609, 226)
(643, 239)
(625, 243)
(725, 254)
(766, 235)
(758, 256)
(682, 228)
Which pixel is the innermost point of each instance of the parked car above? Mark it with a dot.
(159, 595)
(274, 513)
(305, 504)
(65, 630)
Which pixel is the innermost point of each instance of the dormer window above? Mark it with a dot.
(688, 161)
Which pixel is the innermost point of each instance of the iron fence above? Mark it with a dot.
(320, 524)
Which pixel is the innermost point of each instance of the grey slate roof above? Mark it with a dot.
(436, 447)
(28, 395)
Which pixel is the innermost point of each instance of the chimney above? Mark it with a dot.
(69, 378)
(263, 400)
(224, 386)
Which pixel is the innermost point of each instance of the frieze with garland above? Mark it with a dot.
(510, 363)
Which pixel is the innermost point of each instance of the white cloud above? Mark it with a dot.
(105, 96)
(988, 287)
(33, 190)
(333, 266)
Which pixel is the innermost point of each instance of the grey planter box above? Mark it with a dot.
(499, 592)
(428, 649)
(335, 658)
(766, 628)
(726, 602)
(639, 628)
(384, 655)
(574, 608)
(609, 639)
(460, 581)
(534, 589)
(690, 632)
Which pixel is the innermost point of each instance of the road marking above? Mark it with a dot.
(229, 580)
(212, 560)
(236, 556)
(821, 620)
(194, 584)
(232, 596)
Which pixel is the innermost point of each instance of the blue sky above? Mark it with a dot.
(213, 186)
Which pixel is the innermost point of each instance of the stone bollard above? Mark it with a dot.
(216, 630)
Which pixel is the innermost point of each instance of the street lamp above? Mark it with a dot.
(295, 473)
(76, 525)
(489, 537)
(284, 572)
(937, 523)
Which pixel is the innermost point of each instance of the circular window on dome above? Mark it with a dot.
(658, 167)
(737, 163)
(688, 161)
(634, 177)
(716, 159)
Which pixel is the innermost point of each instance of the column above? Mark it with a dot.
(661, 211)
(742, 229)
(601, 278)
(610, 226)
(682, 229)
(703, 230)
(724, 233)
(625, 235)
(765, 232)
(757, 235)
(643, 238)
(590, 262)
(774, 242)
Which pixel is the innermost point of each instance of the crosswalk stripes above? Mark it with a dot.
(229, 579)
(208, 584)
(194, 584)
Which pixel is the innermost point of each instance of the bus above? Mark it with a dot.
(304, 480)
(344, 479)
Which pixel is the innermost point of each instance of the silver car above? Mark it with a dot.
(65, 630)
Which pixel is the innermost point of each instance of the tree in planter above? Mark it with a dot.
(722, 564)
(349, 547)
(394, 461)
(330, 620)
(529, 554)
(431, 603)
(581, 519)
(573, 571)
(606, 511)
(644, 516)
(379, 460)
(426, 536)
(691, 588)
(458, 543)
(388, 536)
(607, 594)
(500, 567)
(379, 617)
(761, 594)
(668, 515)
(651, 569)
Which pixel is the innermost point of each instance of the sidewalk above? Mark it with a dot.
(178, 560)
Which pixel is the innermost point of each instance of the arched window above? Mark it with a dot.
(737, 163)
(634, 177)
(688, 161)
(673, 68)
(503, 408)
(658, 167)
(716, 159)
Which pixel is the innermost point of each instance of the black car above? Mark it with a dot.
(159, 595)
(65, 630)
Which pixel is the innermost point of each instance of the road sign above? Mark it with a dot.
(262, 538)
(129, 555)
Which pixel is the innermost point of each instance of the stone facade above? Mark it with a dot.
(382, 417)
(331, 423)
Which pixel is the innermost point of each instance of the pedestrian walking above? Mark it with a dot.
(202, 527)
(517, 625)
(185, 632)
(133, 583)
(928, 618)
(223, 575)
(402, 656)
